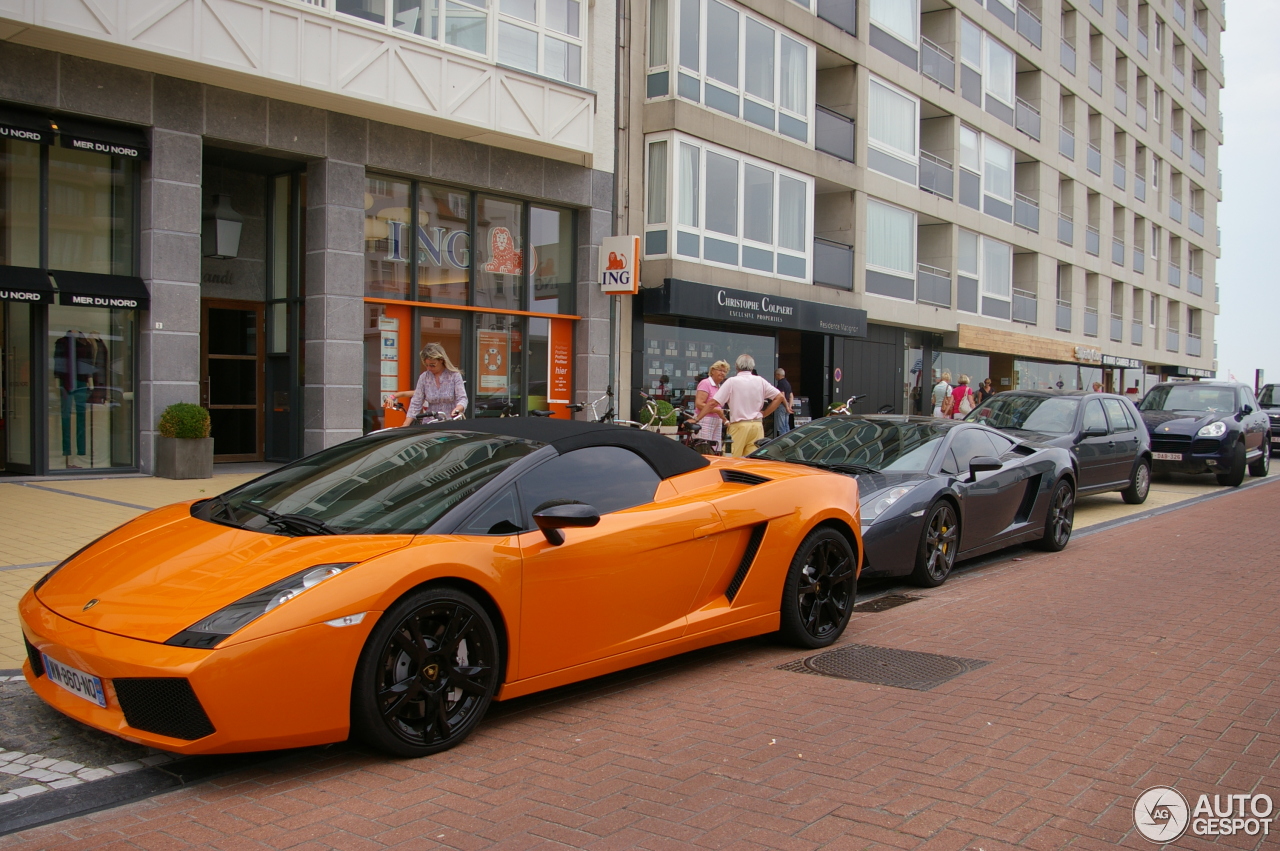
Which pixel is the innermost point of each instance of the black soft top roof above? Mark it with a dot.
(667, 457)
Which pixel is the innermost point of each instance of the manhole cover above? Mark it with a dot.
(885, 666)
(888, 601)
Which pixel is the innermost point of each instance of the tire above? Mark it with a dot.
(1259, 468)
(426, 674)
(1235, 477)
(939, 543)
(819, 593)
(1062, 516)
(1139, 484)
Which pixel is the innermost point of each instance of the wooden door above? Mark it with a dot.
(231, 377)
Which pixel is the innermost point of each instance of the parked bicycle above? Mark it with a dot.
(846, 407)
(649, 417)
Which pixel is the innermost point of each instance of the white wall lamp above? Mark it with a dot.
(220, 230)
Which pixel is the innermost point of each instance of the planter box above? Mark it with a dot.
(182, 458)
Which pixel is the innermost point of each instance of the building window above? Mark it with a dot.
(899, 17)
(730, 209)
(893, 129)
(735, 63)
(993, 64)
(997, 170)
(891, 239)
(989, 262)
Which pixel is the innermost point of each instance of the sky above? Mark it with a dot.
(1248, 327)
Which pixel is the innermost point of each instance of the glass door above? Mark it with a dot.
(15, 388)
(232, 367)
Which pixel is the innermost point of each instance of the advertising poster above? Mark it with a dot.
(495, 360)
(389, 328)
(560, 368)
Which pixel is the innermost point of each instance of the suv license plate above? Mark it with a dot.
(75, 681)
(1167, 456)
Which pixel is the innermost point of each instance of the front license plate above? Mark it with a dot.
(1167, 456)
(75, 681)
(1275, 439)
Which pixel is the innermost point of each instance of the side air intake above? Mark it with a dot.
(739, 477)
(740, 576)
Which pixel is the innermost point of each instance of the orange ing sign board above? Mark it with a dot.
(560, 368)
(620, 265)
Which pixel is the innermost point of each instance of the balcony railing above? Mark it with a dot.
(1024, 306)
(1193, 344)
(1175, 209)
(1175, 275)
(1195, 283)
(1197, 160)
(1179, 13)
(1139, 259)
(1222, 123)
(937, 64)
(1067, 56)
(841, 13)
(1122, 100)
(1140, 114)
(1135, 332)
(1117, 328)
(936, 175)
(1095, 78)
(1027, 119)
(1197, 222)
(1066, 229)
(1090, 321)
(1143, 43)
(1026, 212)
(1118, 173)
(1179, 79)
(1063, 315)
(832, 264)
(1029, 26)
(1198, 99)
(1094, 159)
(1139, 187)
(1092, 240)
(1171, 340)
(1117, 251)
(1066, 142)
(1175, 142)
(933, 285)
(1199, 36)
(1122, 23)
(834, 133)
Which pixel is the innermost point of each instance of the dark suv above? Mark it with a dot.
(1109, 446)
(1207, 427)
(1269, 400)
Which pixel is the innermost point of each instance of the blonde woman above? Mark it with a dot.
(940, 391)
(440, 387)
(963, 399)
(708, 412)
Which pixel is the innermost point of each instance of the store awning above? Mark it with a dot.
(83, 289)
(18, 283)
(25, 126)
(118, 141)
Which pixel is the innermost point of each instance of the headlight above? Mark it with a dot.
(1217, 429)
(879, 505)
(210, 631)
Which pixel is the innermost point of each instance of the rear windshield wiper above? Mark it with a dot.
(299, 523)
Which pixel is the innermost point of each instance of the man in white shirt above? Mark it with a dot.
(744, 395)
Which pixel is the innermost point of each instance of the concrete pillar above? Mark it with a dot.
(169, 354)
(334, 333)
(591, 366)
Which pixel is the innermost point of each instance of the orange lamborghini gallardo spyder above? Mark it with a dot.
(390, 587)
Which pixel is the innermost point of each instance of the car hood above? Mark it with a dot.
(1179, 422)
(1040, 438)
(157, 575)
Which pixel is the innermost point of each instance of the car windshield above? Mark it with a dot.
(1269, 397)
(396, 482)
(1190, 397)
(874, 444)
(1047, 414)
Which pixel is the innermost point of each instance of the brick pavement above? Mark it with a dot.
(1141, 655)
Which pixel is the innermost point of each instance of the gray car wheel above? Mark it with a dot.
(1259, 468)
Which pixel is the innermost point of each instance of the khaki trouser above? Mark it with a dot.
(744, 435)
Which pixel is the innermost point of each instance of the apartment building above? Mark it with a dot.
(867, 193)
(269, 206)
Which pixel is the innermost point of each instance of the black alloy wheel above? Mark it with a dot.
(1062, 516)
(939, 543)
(1139, 484)
(1234, 477)
(818, 596)
(1259, 468)
(426, 675)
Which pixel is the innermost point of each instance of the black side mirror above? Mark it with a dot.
(982, 464)
(1246, 410)
(551, 518)
(1094, 431)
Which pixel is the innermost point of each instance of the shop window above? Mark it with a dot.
(684, 355)
(19, 203)
(898, 17)
(444, 244)
(730, 209)
(893, 131)
(551, 233)
(90, 380)
(387, 240)
(499, 363)
(891, 250)
(733, 62)
(500, 269)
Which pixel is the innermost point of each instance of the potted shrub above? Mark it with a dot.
(184, 449)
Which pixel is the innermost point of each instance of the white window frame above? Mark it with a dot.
(982, 67)
(912, 156)
(674, 68)
(983, 276)
(674, 227)
(976, 274)
(988, 140)
(914, 13)
(915, 242)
